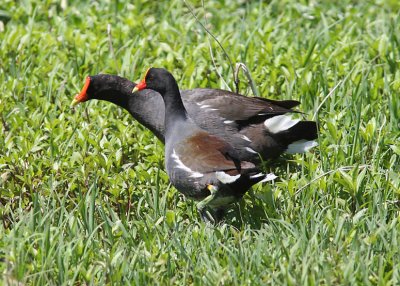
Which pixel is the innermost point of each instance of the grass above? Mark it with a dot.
(84, 198)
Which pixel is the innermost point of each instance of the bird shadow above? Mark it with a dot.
(252, 211)
(259, 206)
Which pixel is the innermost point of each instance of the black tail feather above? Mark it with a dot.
(303, 130)
(289, 104)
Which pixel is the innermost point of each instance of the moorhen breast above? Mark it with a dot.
(200, 165)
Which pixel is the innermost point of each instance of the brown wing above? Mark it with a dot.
(206, 153)
(233, 106)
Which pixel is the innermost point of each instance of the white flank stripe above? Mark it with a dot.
(248, 149)
(204, 106)
(257, 175)
(246, 138)
(269, 177)
(211, 109)
(180, 165)
(300, 146)
(279, 123)
(228, 121)
(196, 175)
(225, 178)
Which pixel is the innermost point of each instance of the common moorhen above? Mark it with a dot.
(256, 127)
(200, 165)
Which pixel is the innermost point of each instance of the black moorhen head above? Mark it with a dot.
(118, 90)
(200, 165)
(256, 127)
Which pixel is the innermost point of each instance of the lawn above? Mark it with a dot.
(84, 197)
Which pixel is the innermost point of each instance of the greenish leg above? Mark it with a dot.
(201, 206)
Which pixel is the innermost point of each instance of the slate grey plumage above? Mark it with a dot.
(200, 165)
(237, 119)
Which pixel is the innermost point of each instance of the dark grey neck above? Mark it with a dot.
(145, 106)
(174, 109)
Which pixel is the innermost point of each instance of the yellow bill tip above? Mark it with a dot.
(74, 102)
(135, 89)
